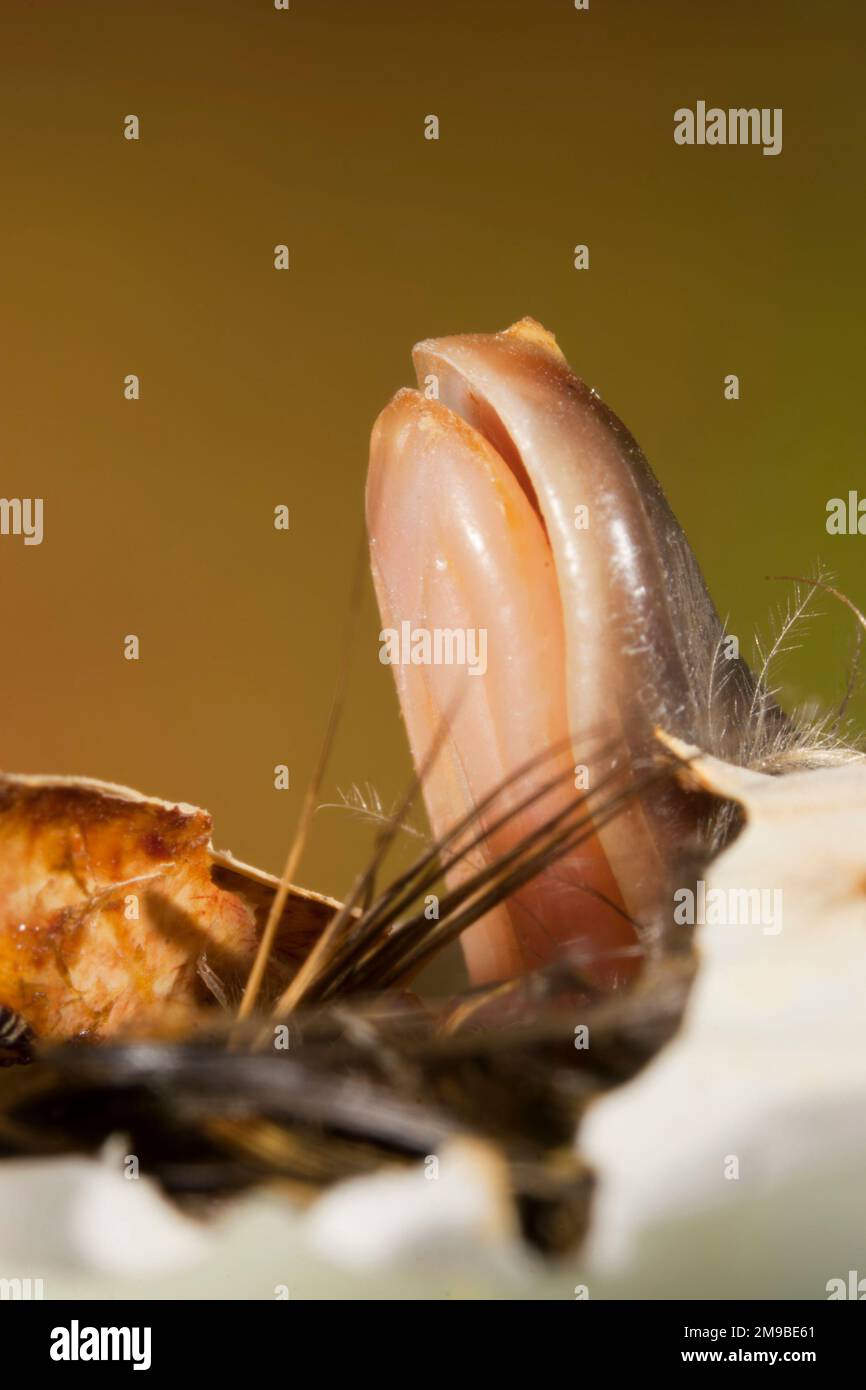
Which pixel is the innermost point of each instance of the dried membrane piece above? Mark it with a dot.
(113, 905)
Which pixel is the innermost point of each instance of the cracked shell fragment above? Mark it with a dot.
(765, 1083)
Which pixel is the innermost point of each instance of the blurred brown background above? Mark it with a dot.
(259, 387)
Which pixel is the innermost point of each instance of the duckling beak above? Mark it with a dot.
(537, 593)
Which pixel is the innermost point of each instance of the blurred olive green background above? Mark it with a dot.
(259, 387)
